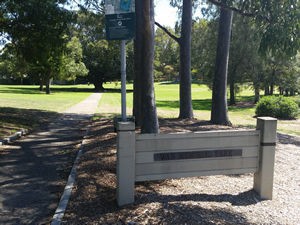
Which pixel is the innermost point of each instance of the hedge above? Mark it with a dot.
(277, 106)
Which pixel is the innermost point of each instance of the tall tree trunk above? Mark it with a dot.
(41, 84)
(137, 103)
(267, 90)
(219, 110)
(256, 86)
(184, 41)
(280, 90)
(232, 85)
(232, 93)
(271, 89)
(256, 93)
(98, 86)
(186, 108)
(272, 82)
(48, 81)
(149, 121)
(286, 92)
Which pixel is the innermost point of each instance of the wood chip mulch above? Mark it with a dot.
(197, 200)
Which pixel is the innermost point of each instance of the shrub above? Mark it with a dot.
(279, 107)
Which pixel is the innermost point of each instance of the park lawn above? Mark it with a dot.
(167, 102)
(27, 107)
(166, 99)
(29, 97)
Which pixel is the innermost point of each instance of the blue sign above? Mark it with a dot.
(119, 19)
(125, 5)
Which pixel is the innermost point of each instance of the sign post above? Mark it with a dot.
(123, 80)
(120, 25)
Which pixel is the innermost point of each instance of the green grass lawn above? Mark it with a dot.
(27, 107)
(167, 102)
(29, 97)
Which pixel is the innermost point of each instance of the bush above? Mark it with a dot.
(279, 107)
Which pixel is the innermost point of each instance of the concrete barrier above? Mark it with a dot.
(144, 157)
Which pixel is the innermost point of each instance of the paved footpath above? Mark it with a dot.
(34, 169)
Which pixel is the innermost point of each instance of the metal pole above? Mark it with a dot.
(123, 80)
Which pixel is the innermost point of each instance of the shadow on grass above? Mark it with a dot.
(99, 116)
(12, 119)
(115, 90)
(245, 98)
(20, 90)
(203, 104)
(243, 104)
(35, 90)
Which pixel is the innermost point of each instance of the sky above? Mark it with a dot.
(164, 13)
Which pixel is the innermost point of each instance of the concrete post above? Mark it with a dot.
(125, 162)
(263, 178)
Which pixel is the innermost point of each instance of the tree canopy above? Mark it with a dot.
(101, 57)
(47, 40)
(279, 22)
(36, 29)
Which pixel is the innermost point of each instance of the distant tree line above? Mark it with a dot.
(234, 42)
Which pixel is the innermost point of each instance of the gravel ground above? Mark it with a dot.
(200, 200)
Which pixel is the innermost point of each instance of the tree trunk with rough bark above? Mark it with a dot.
(137, 103)
(149, 114)
(98, 86)
(48, 80)
(267, 90)
(232, 80)
(256, 93)
(219, 110)
(41, 85)
(186, 107)
(232, 93)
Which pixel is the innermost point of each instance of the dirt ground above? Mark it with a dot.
(197, 200)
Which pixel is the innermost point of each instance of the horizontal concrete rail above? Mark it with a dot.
(195, 154)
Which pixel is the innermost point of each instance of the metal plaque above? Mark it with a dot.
(197, 154)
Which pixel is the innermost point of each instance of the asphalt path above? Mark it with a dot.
(34, 169)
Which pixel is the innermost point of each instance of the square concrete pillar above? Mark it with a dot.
(263, 178)
(125, 162)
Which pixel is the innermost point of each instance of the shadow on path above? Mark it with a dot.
(34, 170)
(288, 139)
(35, 90)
